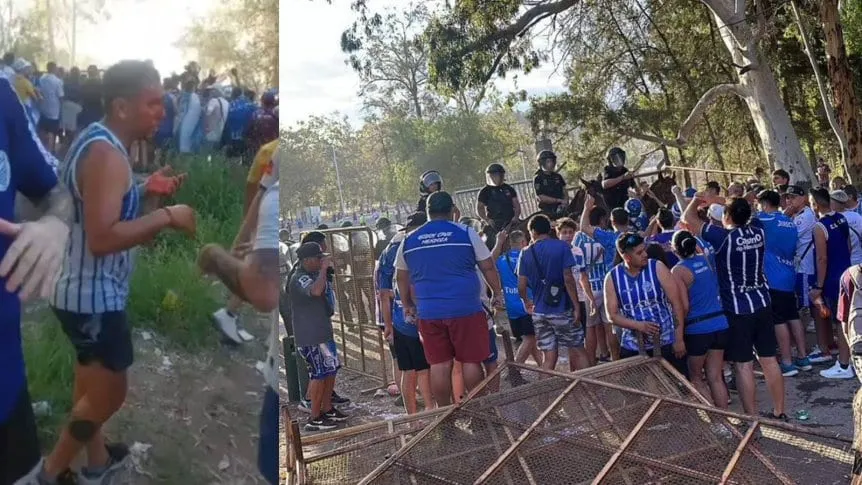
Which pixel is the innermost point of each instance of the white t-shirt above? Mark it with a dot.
(51, 88)
(215, 116)
(854, 220)
(7, 72)
(266, 237)
(578, 254)
(805, 221)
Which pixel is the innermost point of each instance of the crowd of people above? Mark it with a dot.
(79, 256)
(203, 115)
(711, 282)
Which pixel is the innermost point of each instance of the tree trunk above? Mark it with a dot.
(843, 93)
(761, 93)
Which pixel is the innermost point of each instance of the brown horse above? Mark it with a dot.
(661, 189)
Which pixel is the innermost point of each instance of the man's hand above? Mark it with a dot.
(679, 348)
(497, 302)
(388, 334)
(529, 306)
(182, 219)
(592, 306)
(501, 237)
(161, 183)
(814, 294)
(241, 249)
(36, 255)
(649, 328)
(676, 190)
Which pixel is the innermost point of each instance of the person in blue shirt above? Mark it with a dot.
(507, 253)
(31, 254)
(832, 249)
(740, 253)
(239, 115)
(642, 299)
(438, 284)
(637, 215)
(666, 222)
(705, 325)
(545, 268)
(780, 269)
(402, 333)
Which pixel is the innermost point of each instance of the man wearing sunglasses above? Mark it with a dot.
(642, 296)
(740, 254)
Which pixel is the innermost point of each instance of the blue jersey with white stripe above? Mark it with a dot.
(642, 298)
(442, 265)
(594, 260)
(25, 168)
(507, 266)
(705, 314)
(739, 261)
(781, 236)
(94, 284)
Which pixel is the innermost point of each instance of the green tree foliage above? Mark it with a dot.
(241, 34)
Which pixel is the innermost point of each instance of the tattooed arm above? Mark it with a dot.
(255, 279)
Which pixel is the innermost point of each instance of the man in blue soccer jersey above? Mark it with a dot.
(781, 236)
(740, 253)
(31, 257)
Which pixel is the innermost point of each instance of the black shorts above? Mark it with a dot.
(698, 345)
(522, 326)
(49, 126)
(409, 353)
(784, 306)
(19, 443)
(104, 338)
(754, 331)
(666, 353)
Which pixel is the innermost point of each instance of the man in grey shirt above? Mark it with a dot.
(312, 329)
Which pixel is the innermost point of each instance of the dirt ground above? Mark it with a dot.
(193, 418)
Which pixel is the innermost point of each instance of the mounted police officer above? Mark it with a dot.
(430, 182)
(550, 186)
(616, 179)
(497, 203)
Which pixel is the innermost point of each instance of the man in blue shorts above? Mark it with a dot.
(25, 166)
(520, 321)
(312, 328)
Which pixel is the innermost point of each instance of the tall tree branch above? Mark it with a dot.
(708, 99)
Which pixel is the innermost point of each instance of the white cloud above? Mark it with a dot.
(316, 81)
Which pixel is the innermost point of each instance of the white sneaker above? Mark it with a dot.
(837, 372)
(227, 325)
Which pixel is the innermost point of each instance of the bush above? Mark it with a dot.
(216, 191)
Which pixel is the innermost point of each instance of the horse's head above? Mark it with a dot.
(661, 188)
(593, 187)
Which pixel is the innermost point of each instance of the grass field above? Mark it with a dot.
(215, 190)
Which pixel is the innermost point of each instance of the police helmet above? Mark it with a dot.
(616, 156)
(545, 155)
(495, 168)
(429, 178)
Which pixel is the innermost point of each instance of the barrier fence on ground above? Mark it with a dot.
(630, 422)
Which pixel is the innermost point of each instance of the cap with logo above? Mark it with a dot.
(440, 203)
(309, 250)
(795, 191)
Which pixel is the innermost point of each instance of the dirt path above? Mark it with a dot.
(192, 418)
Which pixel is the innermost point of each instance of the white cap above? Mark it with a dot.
(20, 64)
(715, 212)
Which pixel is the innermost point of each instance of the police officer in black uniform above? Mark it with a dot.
(550, 186)
(430, 182)
(616, 179)
(497, 203)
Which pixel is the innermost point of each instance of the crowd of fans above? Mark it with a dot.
(206, 115)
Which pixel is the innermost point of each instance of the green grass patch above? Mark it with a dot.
(216, 191)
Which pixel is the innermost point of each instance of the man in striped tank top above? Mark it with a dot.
(31, 257)
(740, 255)
(91, 294)
(641, 297)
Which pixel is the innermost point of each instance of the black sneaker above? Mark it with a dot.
(320, 424)
(336, 399)
(335, 415)
(771, 415)
(118, 454)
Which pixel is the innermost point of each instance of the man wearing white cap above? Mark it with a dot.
(854, 220)
(715, 213)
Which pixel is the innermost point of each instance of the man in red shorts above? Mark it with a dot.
(438, 284)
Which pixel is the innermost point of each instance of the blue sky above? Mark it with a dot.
(316, 81)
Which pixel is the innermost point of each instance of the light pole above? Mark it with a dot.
(338, 180)
(523, 156)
